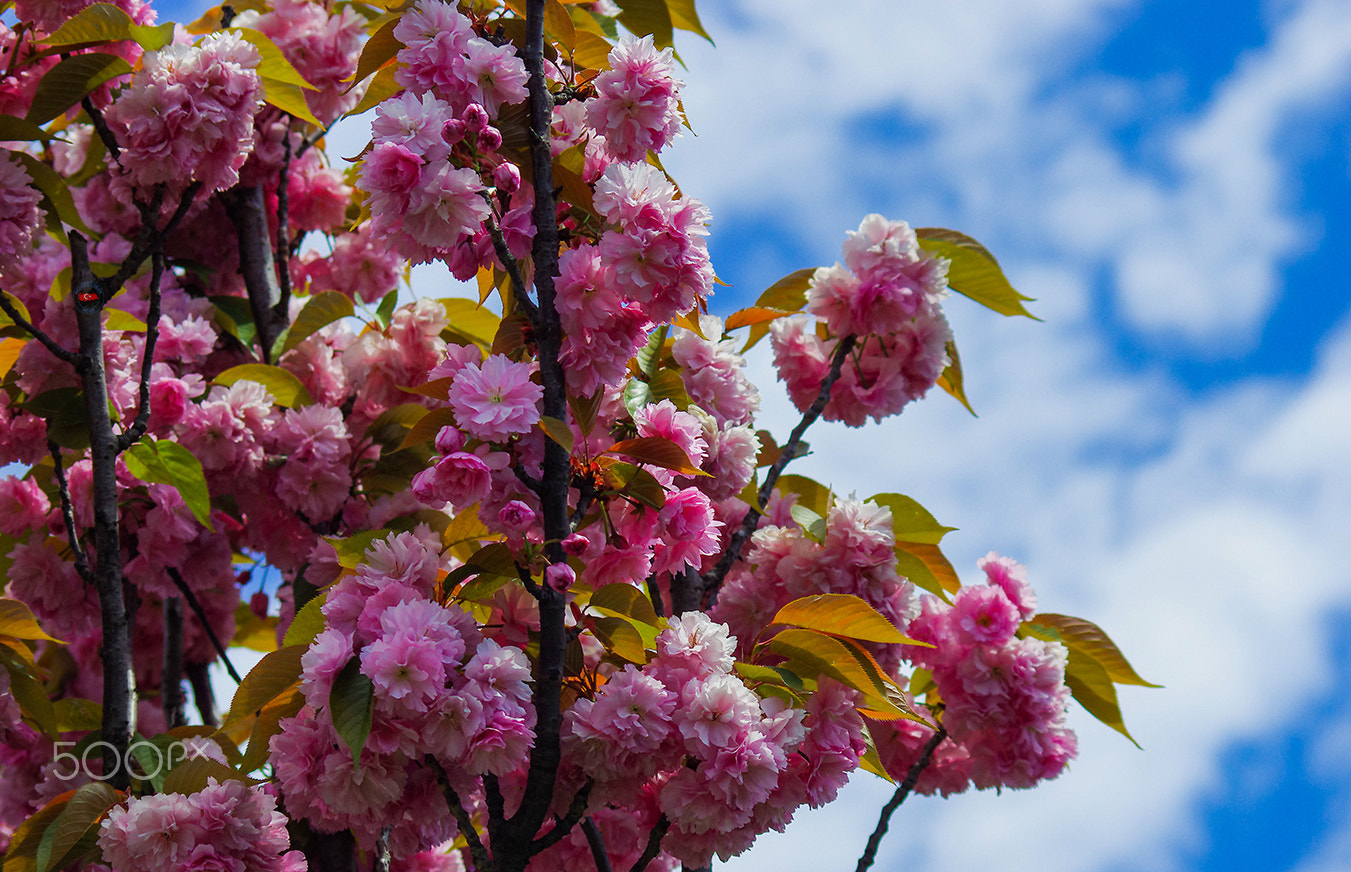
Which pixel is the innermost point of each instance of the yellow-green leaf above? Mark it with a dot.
(472, 321)
(351, 704)
(379, 50)
(621, 638)
(684, 16)
(77, 713)
(9, 352)
(558, 431)
(79, 816)
(285, 388)
(382, 87)
(288, 97)
(951, 378)
(839, 614)
(192, 774)
(819, 654)
(17, 620)
(910, 521)
(269, 678)
(166, 462)
(642, 17)
(973, 271)
(810, 493)
(557, 23)
(1090, 684)
(118, 320)
(926, 566)
(266, 726)
(274, 64)
(320, 311)
(352, 549)
(104, 23)
(57, 199)
(1087, 638)
(427, 427)
(590, 51)
(788, 294)
(308, 622)
(70, 81)
(625, 599)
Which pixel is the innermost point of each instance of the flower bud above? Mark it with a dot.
(559, 576)
(490, 139)
(449, 439)
(475, 118)
(575, 545)
(453, 131)
(507, 177)
(516, 516)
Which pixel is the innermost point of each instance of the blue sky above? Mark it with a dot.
(1166, 452)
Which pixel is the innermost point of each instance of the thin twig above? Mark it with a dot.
(62, 354)
(596, 843)
(283, 255)
(68, 514)
(911, 779)
(101, 128)
(562, 826)
(513, 268)
(653, 845)
(171, 683)
(482, 862)
(142, 417)
(713, 580)
(197, 610)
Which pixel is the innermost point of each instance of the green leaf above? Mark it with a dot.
(812, 524)
(118, 320)
(30, 694)
(307, 624)
(557, 431)
(17, 620)
(13, 128)
(636, 483)
(103, 23)
(641, 17)
(352, 550)
(1089, 682)
(951, 379)
(76, 713)
(379, 50)
(1087, 639)
(192, 774)
(589, 50)
(627, 600)
(63, 410)
(70, 81)
(285, 388)
(427, 427)
(272, 676)
(57, 199)
(394, 424)
(911, 521)
(973, 271)
(384, 313)
(382, 86)
(78, 819)
(620, 638)
(926, 566)
(165, 462)
(668, 384)
(656, 451)
(472, 321)
(871, 759)
(840, 614)
(351, 704)
(320, 311)
(811, 493)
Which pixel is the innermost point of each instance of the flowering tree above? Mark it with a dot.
(548, 599)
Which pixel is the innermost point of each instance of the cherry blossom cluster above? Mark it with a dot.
(1004, 697)
(19, 215)
(637, 104)
(188, 114)
(225, 825)
(856, 556)
(887, 295)
(439, 689)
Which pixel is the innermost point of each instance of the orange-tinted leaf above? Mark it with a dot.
(557, 431)
(1088, 638)
(1090, 684)
(752, 315)
(79, 816)
(625, 599)
(951, 379)
(17, 620)
(812, 654)
(973, 271)
(656, 451)
(273, 675)
(926, 566)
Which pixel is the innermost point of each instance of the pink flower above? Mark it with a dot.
(1011, 577)
(19, 216)
(497, 400)
(559, 576)
(636, 107)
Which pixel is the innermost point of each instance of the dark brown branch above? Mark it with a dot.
(149, 238)
(101, 128)
(197, 610)
(142, 417)
(519, 292)
(171, 684)
(482, 862)
(68, 514)
(283, 253)
(911, 779)
(115, 651)
(202, 695)
(247, 208)
(492, 797)
(713, 580)
(596, 843)
(382, 857)
(653, 845)
(562, 826)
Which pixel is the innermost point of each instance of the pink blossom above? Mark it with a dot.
(497, 400)
(1011, 577)
(23, 506)
(19, 216)
(636, 107)
(559, 576)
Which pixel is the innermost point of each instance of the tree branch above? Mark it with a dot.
(713, 580)
(653, 848)
(911, 779)
(171, 684)
(62, 354)
(513, 268)
(283, 253)
(142, 418)
(482, 862)
(197, 610)
(68, 513)
(246, 207)
(596, 843)
(562, 826)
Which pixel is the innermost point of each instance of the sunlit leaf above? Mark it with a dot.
(788, 294)
(166, 462)
(269, 678)
(812, 524)
(352, 549)
(427, 427)
(951, 378)
(268, 725)
(308, 622)
(926, 566)
(752, 315)
(116, 319)
(1090, 684)
(590, 51)
(625, 599)
(17, 620)
(320, 311)
(379, 50)
(77, 713)
(668, 384)
(288, 97)
(643, 17)
(840, 615)
(104, 23)
(191, 776)
(820, 654)
(620, 638)
(973, 271)
(910, 521)
(274, 64)
(57, 198)
(285, 388)
(1088, 638)
(684, 16)
(811, 493)
(382, 86)
(557, 431)
(474, 322)
(557, 23)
